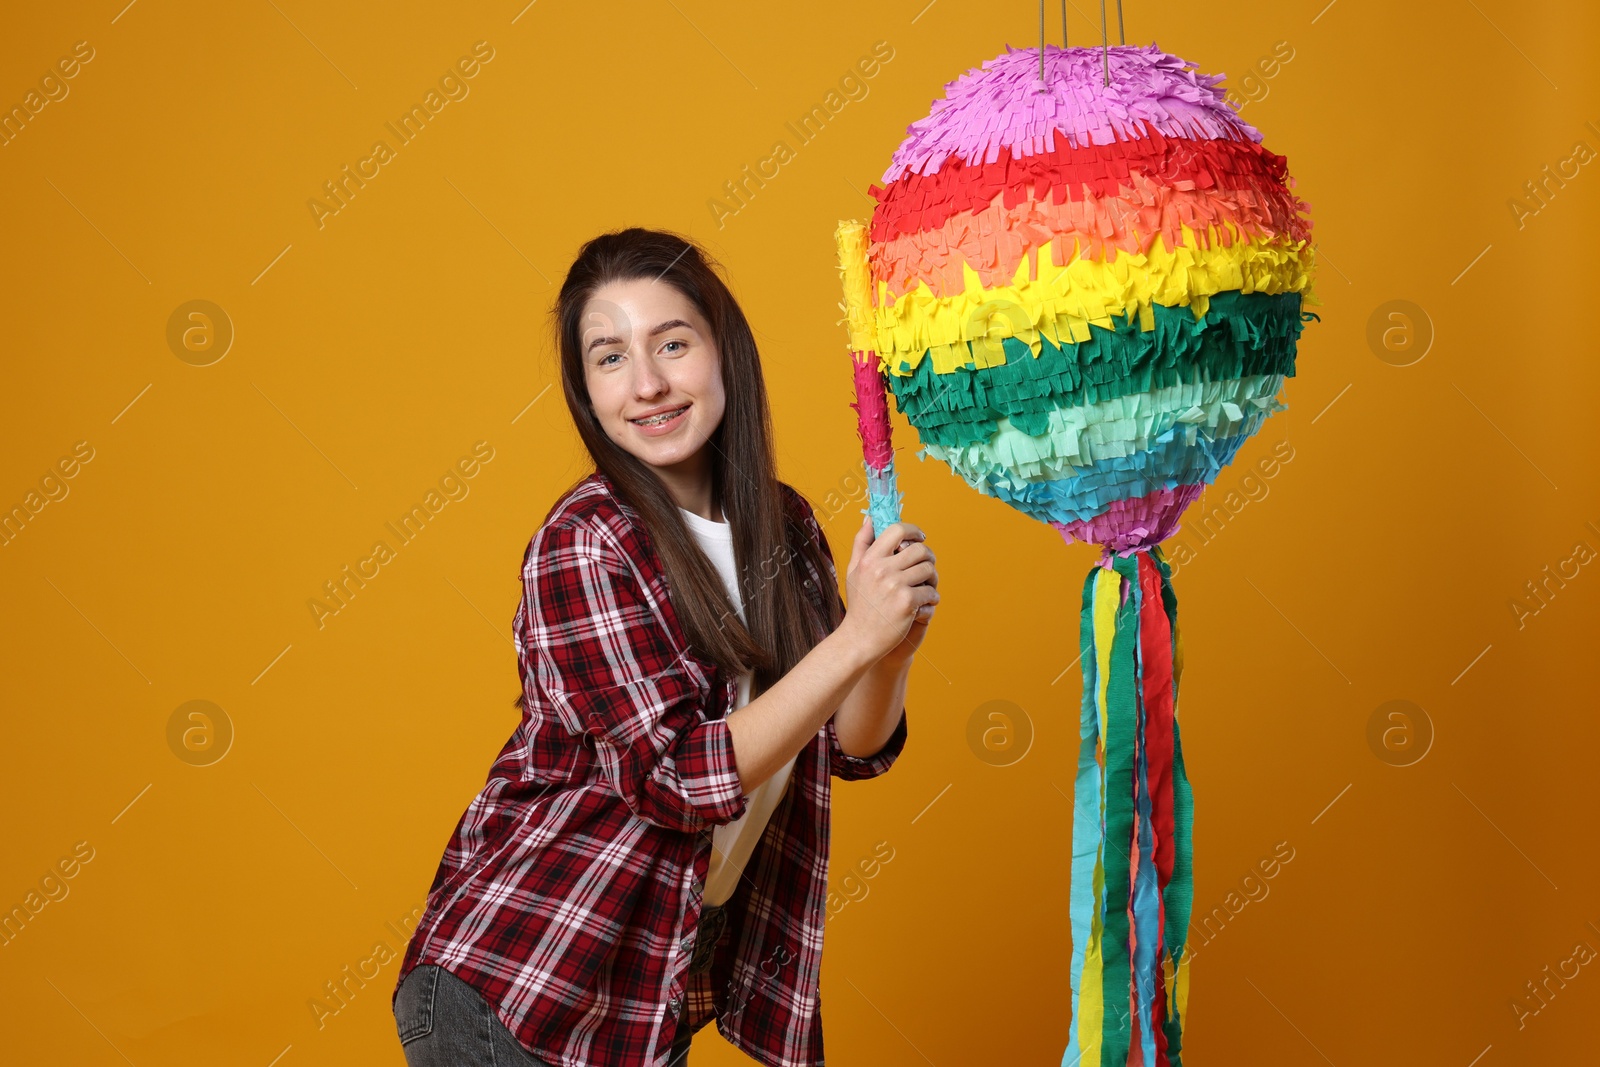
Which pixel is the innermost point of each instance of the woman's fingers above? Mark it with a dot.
(864, 536)
(915, 552)
(892, 536)
(886, 564)
(919, 583)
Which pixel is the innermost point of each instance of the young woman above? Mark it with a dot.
(651, 848)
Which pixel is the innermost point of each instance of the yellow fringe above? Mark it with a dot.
(1060, 302)
(851, 237)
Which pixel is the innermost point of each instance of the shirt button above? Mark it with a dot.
(676, 1005)
(698, 885)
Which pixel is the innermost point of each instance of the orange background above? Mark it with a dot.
(1381, 563)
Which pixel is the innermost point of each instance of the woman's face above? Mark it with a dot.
(647, 350)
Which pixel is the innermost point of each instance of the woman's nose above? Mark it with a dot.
(648, 380)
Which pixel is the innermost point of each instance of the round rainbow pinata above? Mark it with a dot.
(1086, 299)
(1084, 292)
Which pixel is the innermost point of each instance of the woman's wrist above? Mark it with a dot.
(849, 649)
(895, 662)
(869, 715)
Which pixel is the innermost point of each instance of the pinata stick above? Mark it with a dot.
(871, 403)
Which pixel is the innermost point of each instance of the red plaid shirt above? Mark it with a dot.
(569, 893)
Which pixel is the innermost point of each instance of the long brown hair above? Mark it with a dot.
(785, 620)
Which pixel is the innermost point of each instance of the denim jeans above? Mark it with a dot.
(444, 1022)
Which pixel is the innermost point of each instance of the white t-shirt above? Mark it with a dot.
(732, 843)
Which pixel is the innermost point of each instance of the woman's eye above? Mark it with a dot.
(679, 343)
(605, 357)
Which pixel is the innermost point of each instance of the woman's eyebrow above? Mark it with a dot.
(670, 324)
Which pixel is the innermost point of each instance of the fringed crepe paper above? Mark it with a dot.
(872, 409)
(1086, 298)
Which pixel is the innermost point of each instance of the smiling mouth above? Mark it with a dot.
(657, 420)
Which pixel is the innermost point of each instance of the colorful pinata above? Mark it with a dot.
(1085, 297)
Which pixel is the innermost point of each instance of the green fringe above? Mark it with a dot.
(1242, 334)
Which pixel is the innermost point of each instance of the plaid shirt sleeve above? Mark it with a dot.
(844, 767)
(600, 657)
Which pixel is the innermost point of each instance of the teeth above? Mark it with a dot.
(657, 420)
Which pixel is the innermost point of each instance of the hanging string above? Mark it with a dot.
(1105, 47)
(1105, 39)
